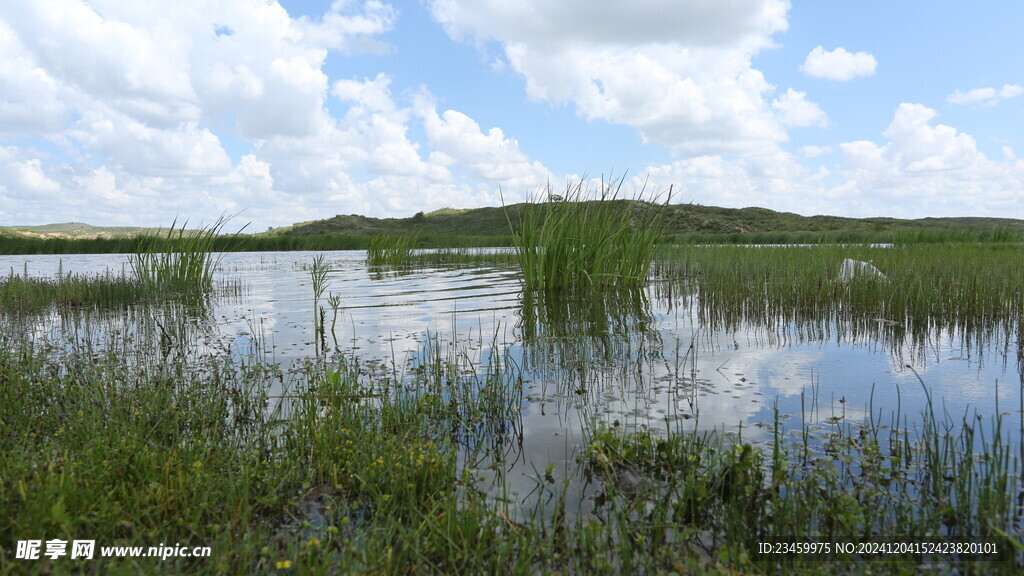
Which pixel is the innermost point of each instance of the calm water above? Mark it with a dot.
(657, 359)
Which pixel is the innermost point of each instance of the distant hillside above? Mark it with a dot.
(492, 224)
(680, 219)
(78, 230)
(75, 230)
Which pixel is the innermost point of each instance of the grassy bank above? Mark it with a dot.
(489, 226)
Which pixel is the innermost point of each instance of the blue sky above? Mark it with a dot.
(116, 112)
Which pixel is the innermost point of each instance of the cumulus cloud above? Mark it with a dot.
(926, 169)
(29, 101)
(838, 64)
(348, 27)
(694, 22)
(795, 110)
(677, 71)
(137, 97)
(985, 96)
(918, 168)
(489, 156)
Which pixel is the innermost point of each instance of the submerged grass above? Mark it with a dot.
(850, 498)
(570, 242)
(347, 473)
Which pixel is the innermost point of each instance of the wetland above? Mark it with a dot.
(442, 411)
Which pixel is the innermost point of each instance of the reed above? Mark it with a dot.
(181, 261)
(25, 294)
(318, 275)
(390, 249)
(956, 283)
(568, 242)
(951, 482)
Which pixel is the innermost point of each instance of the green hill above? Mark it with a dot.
(449, 227)
(681, 219)
(76, 230)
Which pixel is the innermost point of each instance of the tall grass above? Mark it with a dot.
(390, 249)
(318, 275)
(26, 294)
(571, 242)
(956, 283)
(182, 261)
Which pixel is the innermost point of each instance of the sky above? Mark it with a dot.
(127, 113)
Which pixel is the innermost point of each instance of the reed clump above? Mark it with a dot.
(181, 261)
(573, 242)
(27, 294)
(391, 249)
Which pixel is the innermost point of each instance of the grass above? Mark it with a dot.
(567, 242)
(390, 249)
(25, 294)
(182, 263)
(488, 227)
(177, 264)
(956, 284)
(866, 483)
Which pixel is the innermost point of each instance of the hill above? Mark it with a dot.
(681, 219)
(74, 230)
(490, 227)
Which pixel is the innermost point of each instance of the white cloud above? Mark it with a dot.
(142, 101)
(920, 168)
(691, 22)
(838, 64)
(915, 145)
(348, 27)
(29, 100)
(926, 170)
(985, 96)
(795, 110)
(119, 139)
(677, 71)
(491, 156)
(814, 151)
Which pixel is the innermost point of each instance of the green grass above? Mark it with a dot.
(25, 294)
(486, 227)
(955, 284)
(866, 483)
(574, 244)
(185, 269)
(390, 249)
(182, 263)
